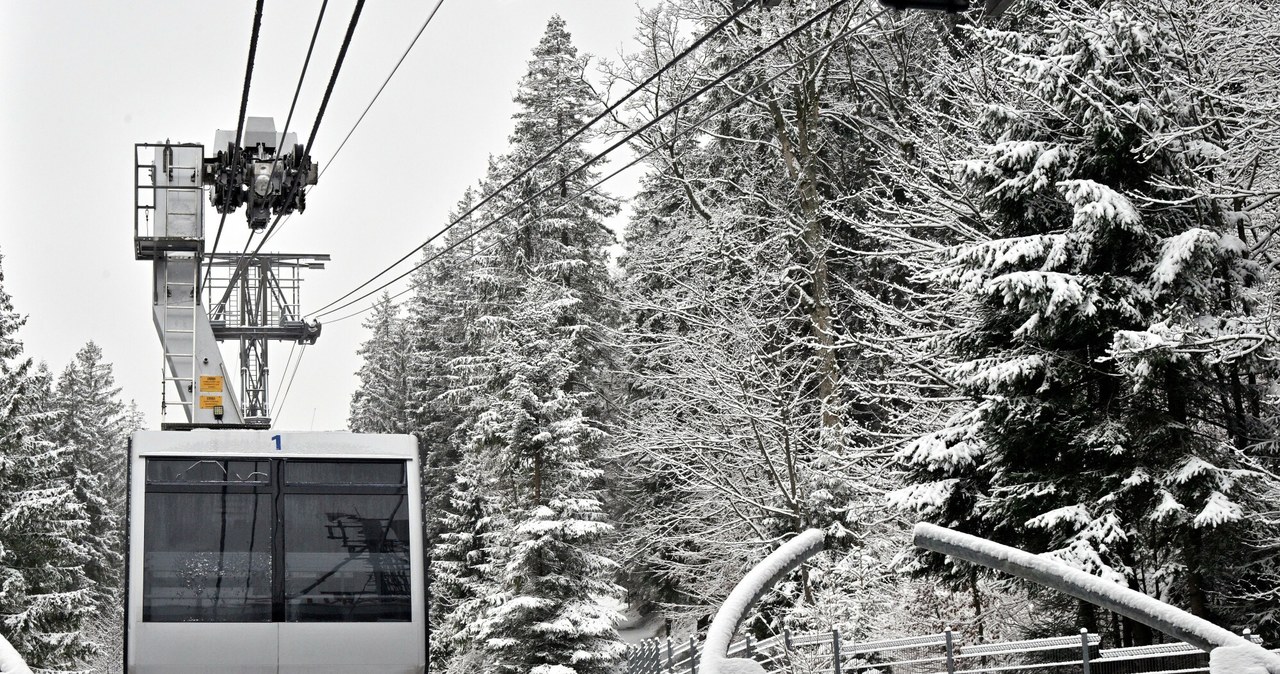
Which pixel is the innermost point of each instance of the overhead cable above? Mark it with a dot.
(296, 91)
(629, 137)
(371, 102)
(324, 103)
(343, 144)
(563, 143)
(285, 397)
(337, 67)
(284, 375)
(244, 106)
(660, 146)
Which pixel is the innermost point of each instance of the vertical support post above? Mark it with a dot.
(837, 666)
(693, 655)
(787, 646)
(751, 651)
(1084, 650)
(951, 653)
(671, 656)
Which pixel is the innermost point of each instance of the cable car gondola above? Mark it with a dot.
(260, 551)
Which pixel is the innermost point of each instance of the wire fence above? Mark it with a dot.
(942, 653)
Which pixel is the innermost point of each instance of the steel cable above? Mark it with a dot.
(244, 107)
(288, 120)
(540, 160)
(698, 124)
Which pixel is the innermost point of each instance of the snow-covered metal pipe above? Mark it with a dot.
(10, 661)
(749, 590)
(1229, 651)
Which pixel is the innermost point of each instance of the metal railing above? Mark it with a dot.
(941, 653)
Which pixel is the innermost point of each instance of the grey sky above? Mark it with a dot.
(83, 81)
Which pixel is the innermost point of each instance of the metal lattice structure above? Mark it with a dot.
(256, 300)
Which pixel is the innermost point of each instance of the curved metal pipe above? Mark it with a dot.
(1129, 603)
(749, 590)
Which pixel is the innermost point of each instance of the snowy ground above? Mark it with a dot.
(636, 627)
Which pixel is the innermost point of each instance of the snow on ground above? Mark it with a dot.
(638, 628)
(634, 626)
(10, 661)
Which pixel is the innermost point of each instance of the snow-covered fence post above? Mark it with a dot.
(836, 665)
(11, 661)
(1229, 653)
(750, 650)
(1084, 650)
(951, 652)
(693, 654)
(755, 584)
(671, 655)
(788, 647)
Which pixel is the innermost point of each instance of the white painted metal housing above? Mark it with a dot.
(355, 634)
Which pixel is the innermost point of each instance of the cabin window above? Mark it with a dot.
(276, 540)
(207, 557)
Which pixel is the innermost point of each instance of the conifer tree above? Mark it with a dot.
(439, 326)
(1097, 432)
(45, 596)
(536, 411)
(461, 573)
(383, 401)
(93, 425)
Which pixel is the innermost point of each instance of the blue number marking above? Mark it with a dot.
(277, 439)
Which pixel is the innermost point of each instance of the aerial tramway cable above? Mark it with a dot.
(289, 387)
(343, 144)
(283, 377)
(542, 159)
(296, 92)
(688, 129)
(244, 106)
(368, 107)
(324, 104)
(323, 311)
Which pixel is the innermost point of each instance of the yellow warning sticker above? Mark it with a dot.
(210, 402)
(210, 384)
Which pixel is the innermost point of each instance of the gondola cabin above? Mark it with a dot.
(260, 551)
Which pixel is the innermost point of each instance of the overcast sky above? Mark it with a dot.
(81, 82)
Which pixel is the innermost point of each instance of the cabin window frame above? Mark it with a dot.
(279, 487)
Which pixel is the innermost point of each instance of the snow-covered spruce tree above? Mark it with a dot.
(382, 402)
(92, 425)
(440, 332)
(45, 596)
(461, 573)
(534, 403)
(1097, 431)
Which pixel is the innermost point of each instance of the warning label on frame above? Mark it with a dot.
(210, 384)
(210, 402)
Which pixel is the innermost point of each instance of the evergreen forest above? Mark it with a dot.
(1014, 276)
(1009, 276)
